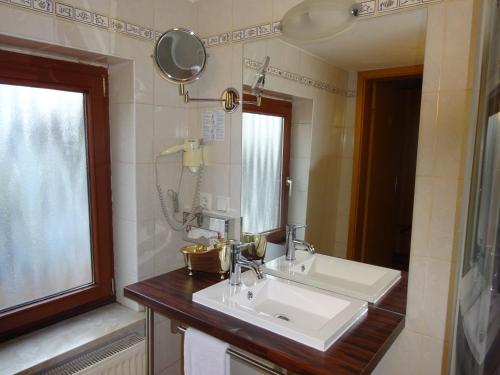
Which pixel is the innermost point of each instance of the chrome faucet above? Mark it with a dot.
(238, 261)
(291, 241)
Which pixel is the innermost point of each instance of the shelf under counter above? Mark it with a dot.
(357, 352)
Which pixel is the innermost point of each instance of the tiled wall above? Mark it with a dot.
(422, 347)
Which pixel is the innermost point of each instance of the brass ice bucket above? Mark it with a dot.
(259, 244)
(214, 258)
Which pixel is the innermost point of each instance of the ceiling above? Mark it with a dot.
(397, 39)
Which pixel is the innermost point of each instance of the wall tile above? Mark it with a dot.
(35, 26)
(75, 35)
(217, 16)
(302, 112)
(123, 190)
(146, 231)
(422, 208)
(235, 188)
(121, 82)
(301, 140)
(434, 45)
(427, 136)
(451, 130)
(121, 118)
(170, 129)
(140, 51)
(280, 7)
(144, 132)
(145, 183)
(249, 13)
(456, 55)
(403, 357)
(174, 13)
(99, 6)
(442, 223)
(136, 11)
(217, 76)
(236, 128)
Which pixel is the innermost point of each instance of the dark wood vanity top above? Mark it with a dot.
(395, 299)
(356, 352)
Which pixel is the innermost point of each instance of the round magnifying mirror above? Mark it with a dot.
(180, 55)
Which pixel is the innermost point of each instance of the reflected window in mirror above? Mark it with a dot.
(265, 167)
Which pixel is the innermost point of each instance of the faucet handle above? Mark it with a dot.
(235, 247)
(292, 229)
(294, 226)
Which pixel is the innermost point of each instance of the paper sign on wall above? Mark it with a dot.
(213, 125)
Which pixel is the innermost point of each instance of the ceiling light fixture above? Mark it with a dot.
(314, 20)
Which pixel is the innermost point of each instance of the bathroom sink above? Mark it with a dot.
(311, 316)
(354, 279)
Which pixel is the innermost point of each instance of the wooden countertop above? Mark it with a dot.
(357, 352)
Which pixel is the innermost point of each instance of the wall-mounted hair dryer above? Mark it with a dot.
(192, 156)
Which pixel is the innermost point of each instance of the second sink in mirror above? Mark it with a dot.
(359, 280)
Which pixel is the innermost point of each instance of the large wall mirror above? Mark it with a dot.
(334, 143)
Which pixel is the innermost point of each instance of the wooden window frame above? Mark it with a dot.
(283, 109)
(28, 70)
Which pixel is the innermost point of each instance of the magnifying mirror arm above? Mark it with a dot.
(256, 102)
(230, 98)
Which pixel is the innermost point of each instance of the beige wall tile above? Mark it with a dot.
(215, 16)
(427, 136)
(248, 13)
(138, 11)
(434, 44)
(280, 7)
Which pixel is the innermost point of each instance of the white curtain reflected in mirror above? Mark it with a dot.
(44, 206)
(262, 162)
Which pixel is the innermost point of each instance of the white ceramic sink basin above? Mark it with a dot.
(313, 317)
(354, 279)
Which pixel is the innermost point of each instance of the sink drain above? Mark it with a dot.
(282, 317)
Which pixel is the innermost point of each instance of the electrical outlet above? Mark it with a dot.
(206, 201)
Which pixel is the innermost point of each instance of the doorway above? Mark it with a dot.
(385, 156)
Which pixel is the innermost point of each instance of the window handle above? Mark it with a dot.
(289, 184)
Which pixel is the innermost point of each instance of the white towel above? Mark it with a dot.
(204, 354)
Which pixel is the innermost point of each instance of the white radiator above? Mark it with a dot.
(125, 356)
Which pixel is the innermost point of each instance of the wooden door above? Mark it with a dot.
(384, 166)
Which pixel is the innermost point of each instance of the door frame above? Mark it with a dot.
(359, 194)
(281, 108)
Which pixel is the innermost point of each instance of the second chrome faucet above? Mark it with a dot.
(238, 261)
(292, 241)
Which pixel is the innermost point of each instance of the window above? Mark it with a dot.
(265, 167)
(55, 207)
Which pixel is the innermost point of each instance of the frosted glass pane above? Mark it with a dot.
(262, 155)
(44, 207)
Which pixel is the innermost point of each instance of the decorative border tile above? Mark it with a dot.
(100, 21)
(385, 5)
(368, 8)
(65, 11)
(236, 36)
(409, 3)
(22, 3)
(272, 70)
(43, 5)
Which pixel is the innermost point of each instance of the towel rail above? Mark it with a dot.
(242, 356)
